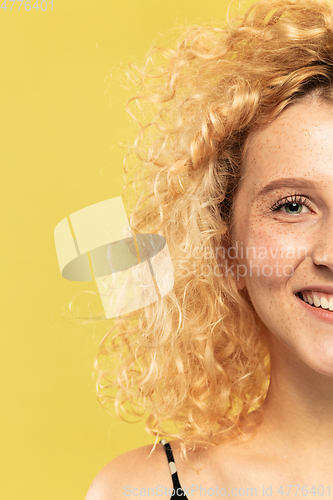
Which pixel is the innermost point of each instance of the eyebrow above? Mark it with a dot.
(289, 182)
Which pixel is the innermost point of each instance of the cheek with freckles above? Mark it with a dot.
(267, 262)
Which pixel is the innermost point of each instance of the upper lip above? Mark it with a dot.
(316, 288)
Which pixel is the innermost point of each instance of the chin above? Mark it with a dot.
(321, 364)
(323, 368)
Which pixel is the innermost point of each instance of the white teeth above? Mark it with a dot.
(316, 301)
(324, 303)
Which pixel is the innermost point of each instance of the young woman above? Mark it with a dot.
(234, 367)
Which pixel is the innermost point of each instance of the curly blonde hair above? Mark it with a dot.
(196, 363)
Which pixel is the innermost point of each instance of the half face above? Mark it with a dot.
(284, 231)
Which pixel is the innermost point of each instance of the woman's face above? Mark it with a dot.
(284, 230)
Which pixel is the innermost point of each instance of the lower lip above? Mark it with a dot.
(318, 312)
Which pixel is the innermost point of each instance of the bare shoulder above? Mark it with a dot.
(131, 474)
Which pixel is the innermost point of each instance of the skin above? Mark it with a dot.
(293, 445)
(289, 251)
(298, 422)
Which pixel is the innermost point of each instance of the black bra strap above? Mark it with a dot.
(179, 493)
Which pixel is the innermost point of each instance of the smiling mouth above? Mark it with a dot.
(318, 306)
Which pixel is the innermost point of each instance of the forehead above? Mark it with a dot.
(298, 142)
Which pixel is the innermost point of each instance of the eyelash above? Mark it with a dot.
(296, 198)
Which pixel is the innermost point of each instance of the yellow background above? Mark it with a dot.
(62, 119)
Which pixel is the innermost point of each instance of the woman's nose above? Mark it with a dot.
(322, 254)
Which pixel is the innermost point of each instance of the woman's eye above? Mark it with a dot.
(293, 205)
(295, 208)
